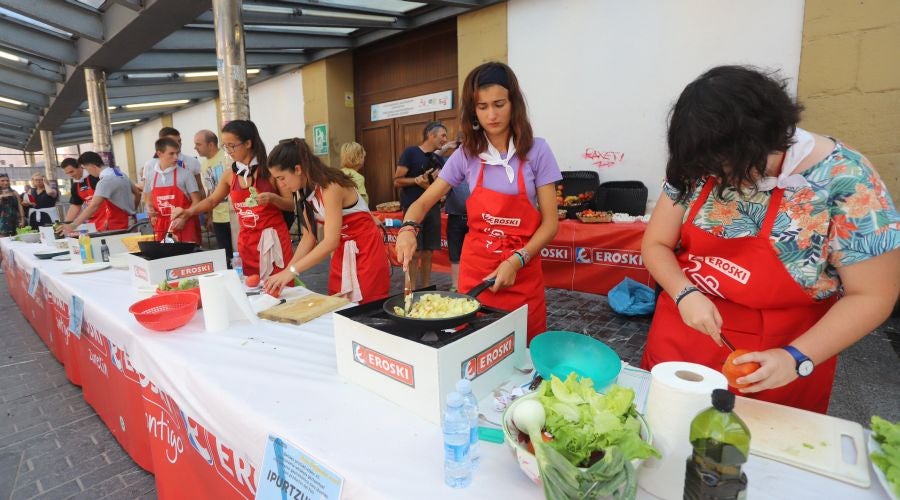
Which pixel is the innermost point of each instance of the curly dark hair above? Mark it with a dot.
(725, 124)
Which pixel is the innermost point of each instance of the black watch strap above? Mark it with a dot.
(685, 292)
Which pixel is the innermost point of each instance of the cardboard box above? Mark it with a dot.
(153, 272)
(417, 376)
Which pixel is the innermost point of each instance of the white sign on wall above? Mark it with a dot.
(428, 103)
(618, 67)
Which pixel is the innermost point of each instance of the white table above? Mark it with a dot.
(252, 380)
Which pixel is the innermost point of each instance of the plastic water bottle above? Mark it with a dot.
(104, 251)
(238, 265)
(392, 222)
(457, 468)
(470, 405)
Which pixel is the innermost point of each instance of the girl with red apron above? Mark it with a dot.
(253, 220)
(164, 200)
(761, 305)
(358, 233)
(500, 224)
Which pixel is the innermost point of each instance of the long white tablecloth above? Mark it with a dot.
(252, 380)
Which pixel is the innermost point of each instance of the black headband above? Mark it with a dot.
(493, 75)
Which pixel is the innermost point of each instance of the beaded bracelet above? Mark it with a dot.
(526, 257)
(408, 228)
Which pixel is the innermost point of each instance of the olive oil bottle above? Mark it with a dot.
(721, 442)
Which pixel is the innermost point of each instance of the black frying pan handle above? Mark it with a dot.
(482, 287)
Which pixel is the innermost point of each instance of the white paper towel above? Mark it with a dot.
(224, 301)
(678, 392)
(215, 302)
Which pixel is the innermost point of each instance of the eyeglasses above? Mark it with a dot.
(231, 147)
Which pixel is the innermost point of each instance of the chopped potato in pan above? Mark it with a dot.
(436, 306)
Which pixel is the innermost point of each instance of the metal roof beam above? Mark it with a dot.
(36, 66)
(20, 94)
(204, 39)
(17, 134)
(134, 5)
(26, 81)
(161, 90)
(123, 101)
(16, 122)
(420, 20)
(19, 113)
(200, 60)
(299, 19)
(34, 41)
(314, 4)
(61, 15)
(455, 3)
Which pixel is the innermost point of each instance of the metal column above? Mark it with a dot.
(231, 60)
(50, 161)
(95, 81)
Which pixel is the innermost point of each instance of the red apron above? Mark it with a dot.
(109, 217)
(253, 221)
(86, 193)
(761, 304)
(372, 269)
(500, 224)
(164, 200)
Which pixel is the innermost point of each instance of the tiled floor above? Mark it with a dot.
(53, 445)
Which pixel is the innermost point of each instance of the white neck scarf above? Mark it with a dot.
(492, 157)
(803, 144)
(165, 172)
(244, 170)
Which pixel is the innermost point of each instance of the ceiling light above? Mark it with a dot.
(268, 9)
(158, 103)
(88, 110)
(207, 74)
(12, 101)
(347, 15)
(122, 122)
(13, 57)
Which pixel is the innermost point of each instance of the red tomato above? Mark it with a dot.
(252, 280)
(276, 293)
(733, 372)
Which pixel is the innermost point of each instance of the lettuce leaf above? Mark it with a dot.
(583, 421)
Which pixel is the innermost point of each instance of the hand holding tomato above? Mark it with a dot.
(776, 368)
(733, 371)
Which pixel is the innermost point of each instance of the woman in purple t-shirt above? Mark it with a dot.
(512, 206)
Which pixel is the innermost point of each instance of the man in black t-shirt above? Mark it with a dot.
(81, 187)
(416, 170)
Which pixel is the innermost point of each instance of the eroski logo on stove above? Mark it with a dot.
(385, 365)
(482, 362)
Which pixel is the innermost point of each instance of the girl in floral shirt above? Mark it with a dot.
(764, 227)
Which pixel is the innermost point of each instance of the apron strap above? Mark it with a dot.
(480, 176)
(521, 179)
(698, 203)
(771, 213)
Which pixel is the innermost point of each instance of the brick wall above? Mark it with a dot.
(850, 78)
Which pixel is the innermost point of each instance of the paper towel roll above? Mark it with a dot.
(214, 295)
(678, 392)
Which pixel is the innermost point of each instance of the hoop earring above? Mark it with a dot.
(476, 125)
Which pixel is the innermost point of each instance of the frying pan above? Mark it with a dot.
(430, 324)
(152, 250)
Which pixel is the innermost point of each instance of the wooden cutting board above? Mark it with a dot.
(804, 439)
(306, 308)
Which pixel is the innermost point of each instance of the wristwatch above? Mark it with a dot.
(804, 364)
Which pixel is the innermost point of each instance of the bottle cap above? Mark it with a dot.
(463, 386)
(722, 400)
(454, 399)
(103, 241)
